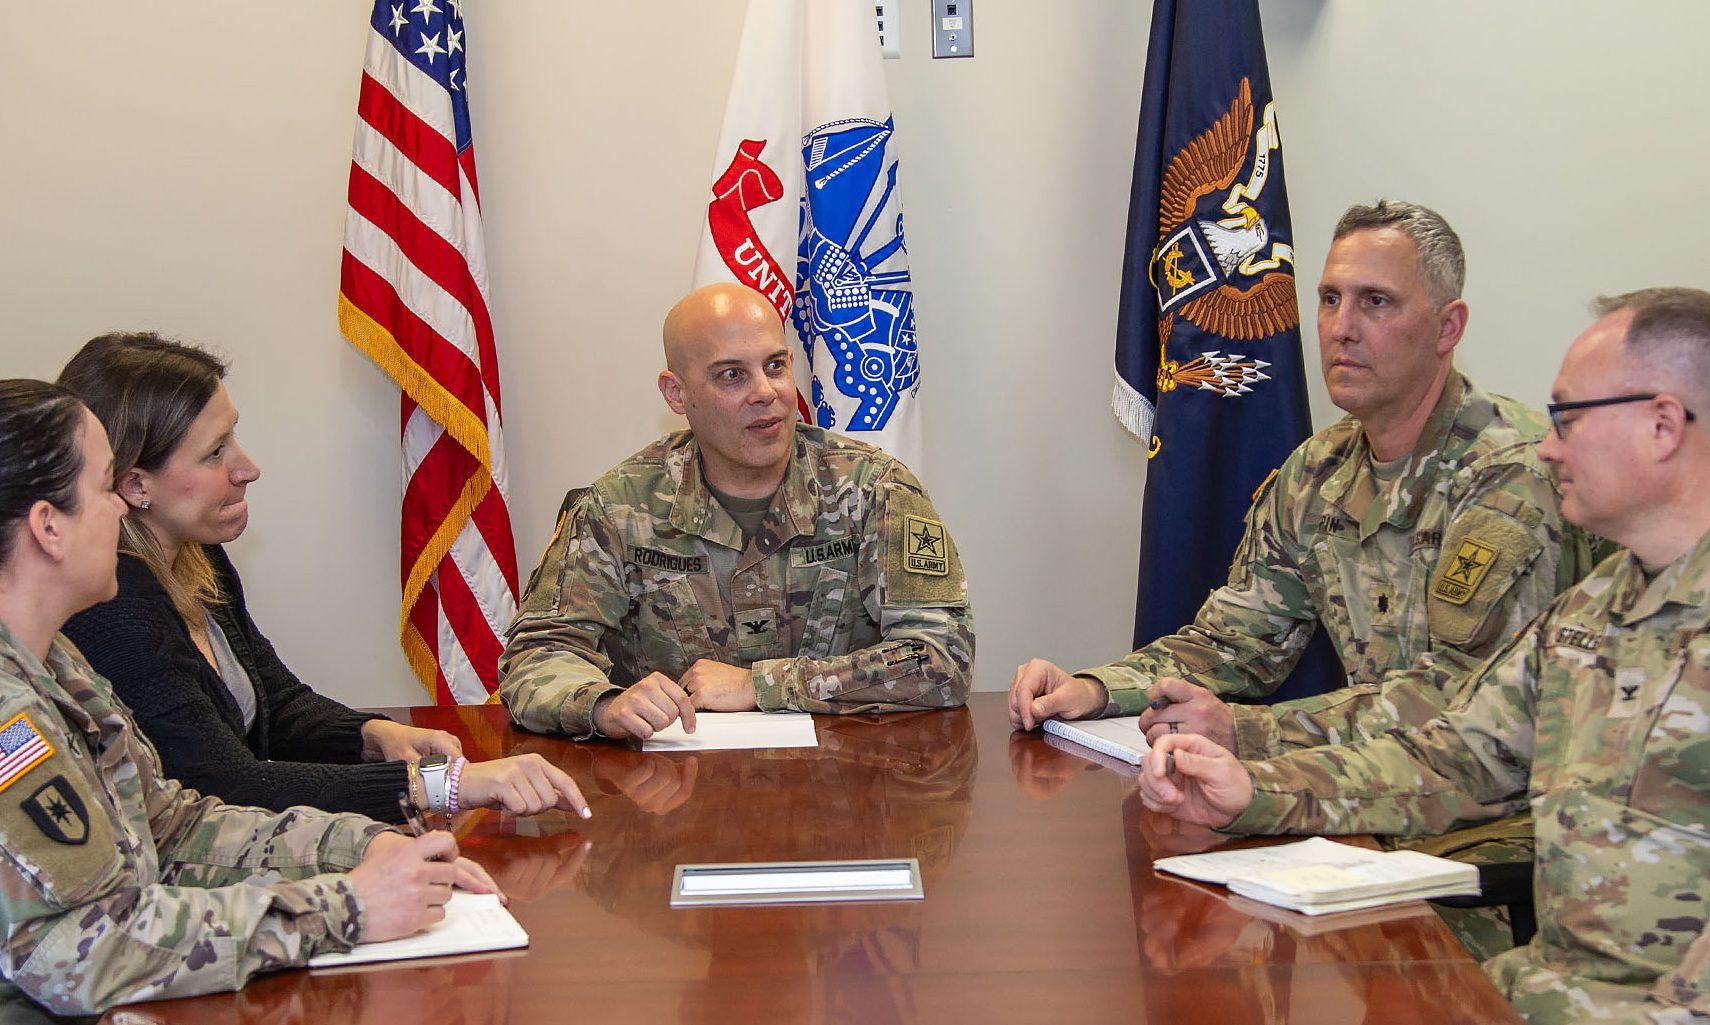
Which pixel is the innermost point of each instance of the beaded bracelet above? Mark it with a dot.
(451, 782)
(418, 794)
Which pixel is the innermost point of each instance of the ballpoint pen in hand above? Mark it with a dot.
(413, 821)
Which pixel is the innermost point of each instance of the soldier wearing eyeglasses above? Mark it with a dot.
(1596, 718)
(1420, 532)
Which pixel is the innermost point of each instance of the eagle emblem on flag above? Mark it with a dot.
(1215, 263)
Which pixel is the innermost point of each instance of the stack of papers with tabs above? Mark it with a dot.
(1318, 876)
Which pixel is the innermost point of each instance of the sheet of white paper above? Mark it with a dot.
(726, 731)
(474, 922)
(1221, 866)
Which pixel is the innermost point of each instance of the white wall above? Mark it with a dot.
(181, 167)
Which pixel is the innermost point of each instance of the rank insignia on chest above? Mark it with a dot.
(22, 748)
(58, 812)
(1464, 571)
(756, 627)
(924, 548)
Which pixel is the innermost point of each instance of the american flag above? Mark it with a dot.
(21, 748)
(413, 296)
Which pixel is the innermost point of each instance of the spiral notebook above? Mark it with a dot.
(1118, 738)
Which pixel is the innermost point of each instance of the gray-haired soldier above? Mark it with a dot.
(1421, 531)
(1594, 716)
(749, 562)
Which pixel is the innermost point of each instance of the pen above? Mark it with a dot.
(413, 821)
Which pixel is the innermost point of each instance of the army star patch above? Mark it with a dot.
(924, 551)
(1465, 570)
(56, 809)
(22, 748)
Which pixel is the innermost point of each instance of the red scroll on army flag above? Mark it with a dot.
(412, 295)
(1208, 363)
(805, 210)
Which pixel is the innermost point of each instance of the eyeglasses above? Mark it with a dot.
(1556, 409)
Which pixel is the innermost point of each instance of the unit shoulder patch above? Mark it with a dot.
(1463, 571)
(921, 564)
(1484, 555)
(925, 549)
(53, 828)
(58, 811)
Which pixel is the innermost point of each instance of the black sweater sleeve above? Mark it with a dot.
(141, 645)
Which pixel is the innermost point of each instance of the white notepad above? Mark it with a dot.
(1118, 738)
(473, 923)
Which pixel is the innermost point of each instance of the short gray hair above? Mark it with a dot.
(1442, 261)
(1670, 336)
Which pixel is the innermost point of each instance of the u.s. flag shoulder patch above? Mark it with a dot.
(22, 748)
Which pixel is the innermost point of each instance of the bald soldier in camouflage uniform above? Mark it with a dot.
(842, 592)
(1595, 716)
(1421, 532)
(117, 884)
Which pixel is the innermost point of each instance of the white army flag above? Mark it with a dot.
(805, 209)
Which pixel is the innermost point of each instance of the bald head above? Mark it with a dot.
(712, 316)
(728, 372)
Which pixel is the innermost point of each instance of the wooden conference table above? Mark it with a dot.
(1041, 902)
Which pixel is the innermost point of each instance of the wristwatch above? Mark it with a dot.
(433, 770)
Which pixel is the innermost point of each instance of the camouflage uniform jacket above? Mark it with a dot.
(849, 598)
(1417, 578)
(117, 884)
(1596, 716)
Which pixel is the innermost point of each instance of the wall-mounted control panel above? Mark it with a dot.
(952, 28)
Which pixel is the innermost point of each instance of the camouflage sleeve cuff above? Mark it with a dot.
(1257, 736)
(1264, 815)
(346, 841)
(1128, 689)
(325, 911)
(576, 714)
(768, 689)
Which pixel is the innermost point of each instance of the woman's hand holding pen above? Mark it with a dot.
(1191, 778)
(1182, 707)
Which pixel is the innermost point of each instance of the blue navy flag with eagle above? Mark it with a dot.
(1208, 362)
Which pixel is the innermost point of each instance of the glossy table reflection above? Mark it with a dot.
(1041, 903)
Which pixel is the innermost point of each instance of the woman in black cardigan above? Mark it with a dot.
(179, 645)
